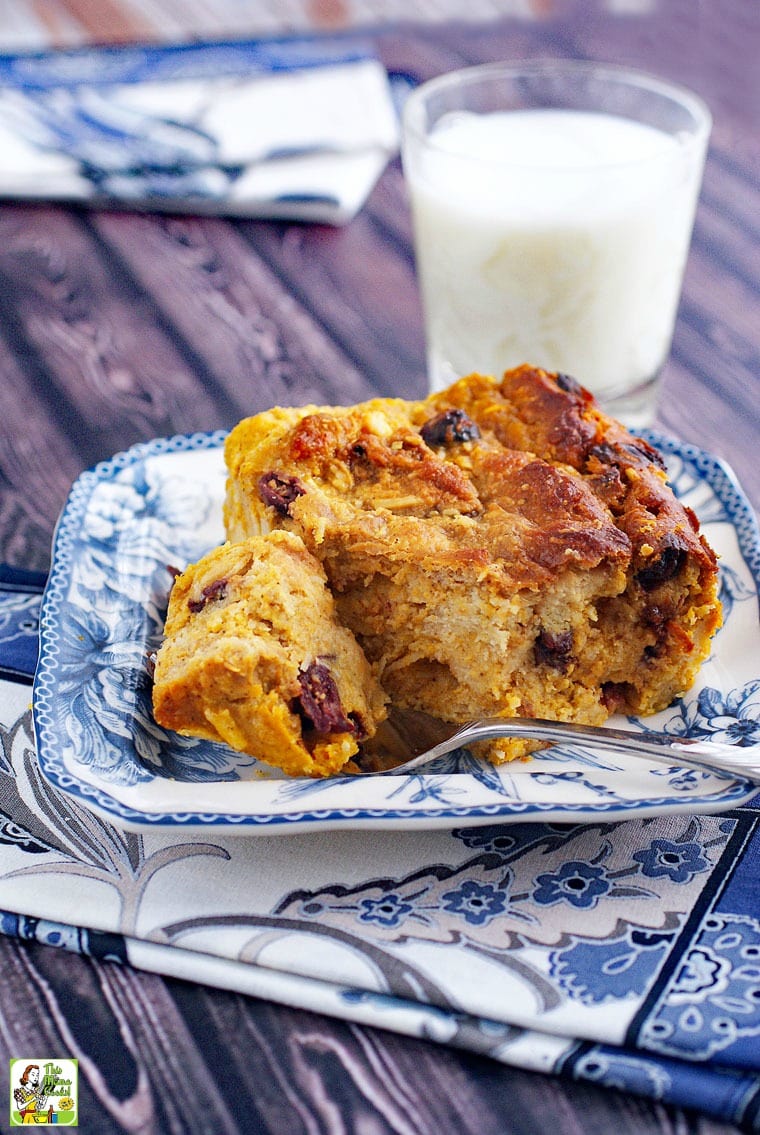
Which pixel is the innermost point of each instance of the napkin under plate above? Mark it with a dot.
(624, 954)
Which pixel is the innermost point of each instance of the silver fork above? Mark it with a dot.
(411, 740)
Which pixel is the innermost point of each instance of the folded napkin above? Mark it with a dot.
(623, 954)
(292, 129)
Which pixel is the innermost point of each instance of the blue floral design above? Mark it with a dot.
(124, 151)
(621, 1070)
(426, 788)
(477, 903)
(507, 844)
(732, 717)
(138, 520)
(580, 884)
(700, 972)
(76, 939)
(112, 509)
(19, 616)
(681, 779)
(678, 862)
(494, 838)
(599, 788)
(594, 972)
(388, 910)
(483, 771)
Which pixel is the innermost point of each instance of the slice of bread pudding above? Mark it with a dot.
(501, 547)
(254, 656)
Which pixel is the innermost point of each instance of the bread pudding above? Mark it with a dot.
(254, 656)
(501, 547)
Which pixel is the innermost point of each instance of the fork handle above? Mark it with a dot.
(708, 756)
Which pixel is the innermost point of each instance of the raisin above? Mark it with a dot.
(569, 384)
(217, 589)
(603, 452)
(320, 700)
(554, 649)
(280, 490)
(614, 696)
(655, 617)
(617, 455)
(449, 427)
(358, 726)
(641, 448)
(664, 567)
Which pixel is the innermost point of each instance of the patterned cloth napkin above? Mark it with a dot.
(624, 954)
(293, 129)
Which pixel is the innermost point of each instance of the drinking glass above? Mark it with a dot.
(553, 204)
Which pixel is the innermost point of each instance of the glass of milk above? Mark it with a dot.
(553, 205)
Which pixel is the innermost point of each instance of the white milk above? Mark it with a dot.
(553, 237)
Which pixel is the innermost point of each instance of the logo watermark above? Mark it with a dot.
(44, 1092)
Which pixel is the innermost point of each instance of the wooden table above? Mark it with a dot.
(116, 328)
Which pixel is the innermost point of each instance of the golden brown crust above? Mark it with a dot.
(500, 547)
(555, 418)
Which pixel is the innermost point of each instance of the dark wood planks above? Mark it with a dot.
(242, 328)
(100, 357)
(362, 290)
(37, 462)
(169, 1058)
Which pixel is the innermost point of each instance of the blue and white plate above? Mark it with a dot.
(159, 504)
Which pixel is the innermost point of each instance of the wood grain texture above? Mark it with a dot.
(168, 1057)
(115, 328)
(364, 297)
(248, 339)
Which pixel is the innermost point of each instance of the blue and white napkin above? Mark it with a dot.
(626, 954)
(295, 130)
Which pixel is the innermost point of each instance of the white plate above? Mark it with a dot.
(159, 504)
